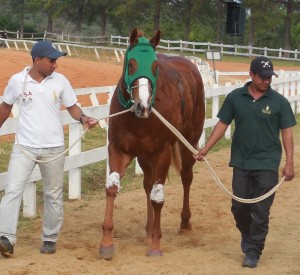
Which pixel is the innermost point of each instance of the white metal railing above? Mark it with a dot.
(71, 45)
(288, 85)
(224, 49)
(73, 49)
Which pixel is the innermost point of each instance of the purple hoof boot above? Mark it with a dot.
(154, 252)
(106, 252)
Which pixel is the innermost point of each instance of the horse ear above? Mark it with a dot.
(135, 34)
(155, 39)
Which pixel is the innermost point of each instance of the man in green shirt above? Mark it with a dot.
(260, 114)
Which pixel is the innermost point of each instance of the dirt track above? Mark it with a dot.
(212, 247)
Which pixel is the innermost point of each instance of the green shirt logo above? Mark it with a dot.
(267, 110)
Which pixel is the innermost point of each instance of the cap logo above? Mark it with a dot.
(266, 64)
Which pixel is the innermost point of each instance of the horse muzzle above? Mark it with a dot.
(141, 111)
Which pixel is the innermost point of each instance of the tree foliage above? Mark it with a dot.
(269, 23)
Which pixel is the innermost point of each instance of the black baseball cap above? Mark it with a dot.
(46, 49)
(262, 66)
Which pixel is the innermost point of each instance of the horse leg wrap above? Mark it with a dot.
(113, 179)
(157, 193)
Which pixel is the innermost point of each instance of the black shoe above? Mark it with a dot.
(6, 249)
(250, 260)
(244, 244)
(48, 247)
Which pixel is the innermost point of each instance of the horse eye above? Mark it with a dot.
(132, 66)
(154, 67)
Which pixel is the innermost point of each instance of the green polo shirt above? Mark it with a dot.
(256, 143)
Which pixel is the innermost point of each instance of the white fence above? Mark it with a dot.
(203, 47)
(74, 47)
(288, 85)
(168, 45)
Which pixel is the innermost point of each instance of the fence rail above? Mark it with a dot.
(287, 85)
(224, 49)
(122, 43)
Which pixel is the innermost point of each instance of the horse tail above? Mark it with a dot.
(176, 158)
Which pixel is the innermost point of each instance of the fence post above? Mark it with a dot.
(96, 52)
(75, 174)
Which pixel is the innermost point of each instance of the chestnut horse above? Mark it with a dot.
(173, 86)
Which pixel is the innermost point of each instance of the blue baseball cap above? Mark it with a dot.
(46, 49)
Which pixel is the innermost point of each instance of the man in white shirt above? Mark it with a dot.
(39, 92)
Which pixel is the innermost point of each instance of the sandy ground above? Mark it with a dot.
(212, 247)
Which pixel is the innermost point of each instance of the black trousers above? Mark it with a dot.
(253, 219)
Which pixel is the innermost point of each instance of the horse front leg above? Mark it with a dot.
(157, 202)
(106, 250)
(117, 163)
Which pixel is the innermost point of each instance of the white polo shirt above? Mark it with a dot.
(40, 124)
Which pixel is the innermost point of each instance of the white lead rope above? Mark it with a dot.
(215, 176)
(180, 137)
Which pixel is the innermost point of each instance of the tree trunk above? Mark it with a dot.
(49, 20)
(220, 21)
(187, 20)
(22, 11)
(251, 29)
(103, 20)
(79, 18)
(288, 22)
(156, 19)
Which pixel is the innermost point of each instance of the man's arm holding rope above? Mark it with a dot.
(76, 112)
(217, 133)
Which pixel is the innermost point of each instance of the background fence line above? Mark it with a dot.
(106, 42)
(288, 84)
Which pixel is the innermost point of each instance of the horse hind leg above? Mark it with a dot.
(186, 175)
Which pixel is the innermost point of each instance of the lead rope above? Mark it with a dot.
(215, 176)
(176, 133)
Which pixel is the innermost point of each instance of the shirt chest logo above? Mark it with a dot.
(26, 97)
(267, 110)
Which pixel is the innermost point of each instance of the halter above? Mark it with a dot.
(144, 54)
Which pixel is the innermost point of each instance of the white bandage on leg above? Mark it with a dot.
(113, 179)
(157, 193)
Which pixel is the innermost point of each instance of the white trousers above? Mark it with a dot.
(19, 170)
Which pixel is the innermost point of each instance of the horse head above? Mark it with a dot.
(140, 74)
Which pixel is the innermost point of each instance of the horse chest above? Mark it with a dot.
(143, 143)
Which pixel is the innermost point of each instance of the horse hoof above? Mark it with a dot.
(106, 252)
(154, 252)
